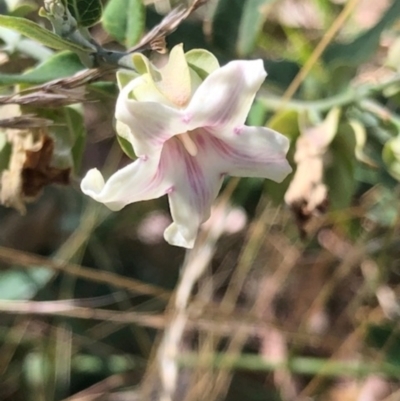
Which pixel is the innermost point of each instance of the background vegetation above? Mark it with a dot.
(292, 291)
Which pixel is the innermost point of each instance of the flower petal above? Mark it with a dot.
(141, 180)
(224, 99)
(151, 123)
(249, 152)
(176, 82)
(194, 190)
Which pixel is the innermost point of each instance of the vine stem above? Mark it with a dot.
(300, 365)
(356, 94)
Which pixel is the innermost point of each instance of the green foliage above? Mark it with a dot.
(363, 47)
(69, 135)
(385, 337)
(340, 172)
(86, 12)
(60, 65)
(22, 284)
(5, 151)
(125, 20)
(386, 211)
(67, 131)
(126, 147)
(3, 7)
(23, 9)
(202, 62)
(36, 32)
(286, 121)
(253, 17)
(391, 157)
(226, 23)
(328, 283)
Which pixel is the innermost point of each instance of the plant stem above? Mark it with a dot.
(299, 365)
(352, 95)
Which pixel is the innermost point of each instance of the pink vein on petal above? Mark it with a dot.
(155, 181)
(196, 180)
(238, 156)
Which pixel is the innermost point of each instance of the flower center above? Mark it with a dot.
(188, 143)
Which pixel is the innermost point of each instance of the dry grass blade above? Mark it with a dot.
(74, 309)
(79, 79)
(68, 309)
(193, 268)
(25, 259)
(59, 92)
(25, 122)
(99, 390)
(44, 99)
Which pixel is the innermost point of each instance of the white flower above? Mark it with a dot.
(186, 125)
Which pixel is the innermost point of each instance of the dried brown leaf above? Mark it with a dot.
(54, 97)
(30, 168)
(24, 122)
(307, 194)
(37, 170)
(155, 38)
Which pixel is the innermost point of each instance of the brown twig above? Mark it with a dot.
(25, 259)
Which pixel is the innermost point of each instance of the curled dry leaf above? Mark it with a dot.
(155, 38)
(307, 194)
(41, 98)
(30, 168)
(24, 122)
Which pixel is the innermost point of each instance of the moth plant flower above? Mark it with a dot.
(185, 123)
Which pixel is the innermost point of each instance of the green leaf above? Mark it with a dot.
(339, 175)
(5, 151)
(123, 133)
(126, 147)
(3, 7)
(257, 114)
(360, 134)
(391, 157)
(225, 24)
(68, 133)
(286, 122)
(202, 62)
(386, 339)
(393, 57)
(253, 17)
(58, 66)
(386, 211)
(103, 90)
(86, 12)
(125, 76)
(23, 9)
(21, 284)
(36, 32)
(125, 20)
(76, 134)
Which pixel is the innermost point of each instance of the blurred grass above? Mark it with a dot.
(278, 317)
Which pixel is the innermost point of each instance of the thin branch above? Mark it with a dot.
(300, 365)
(13, 256)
